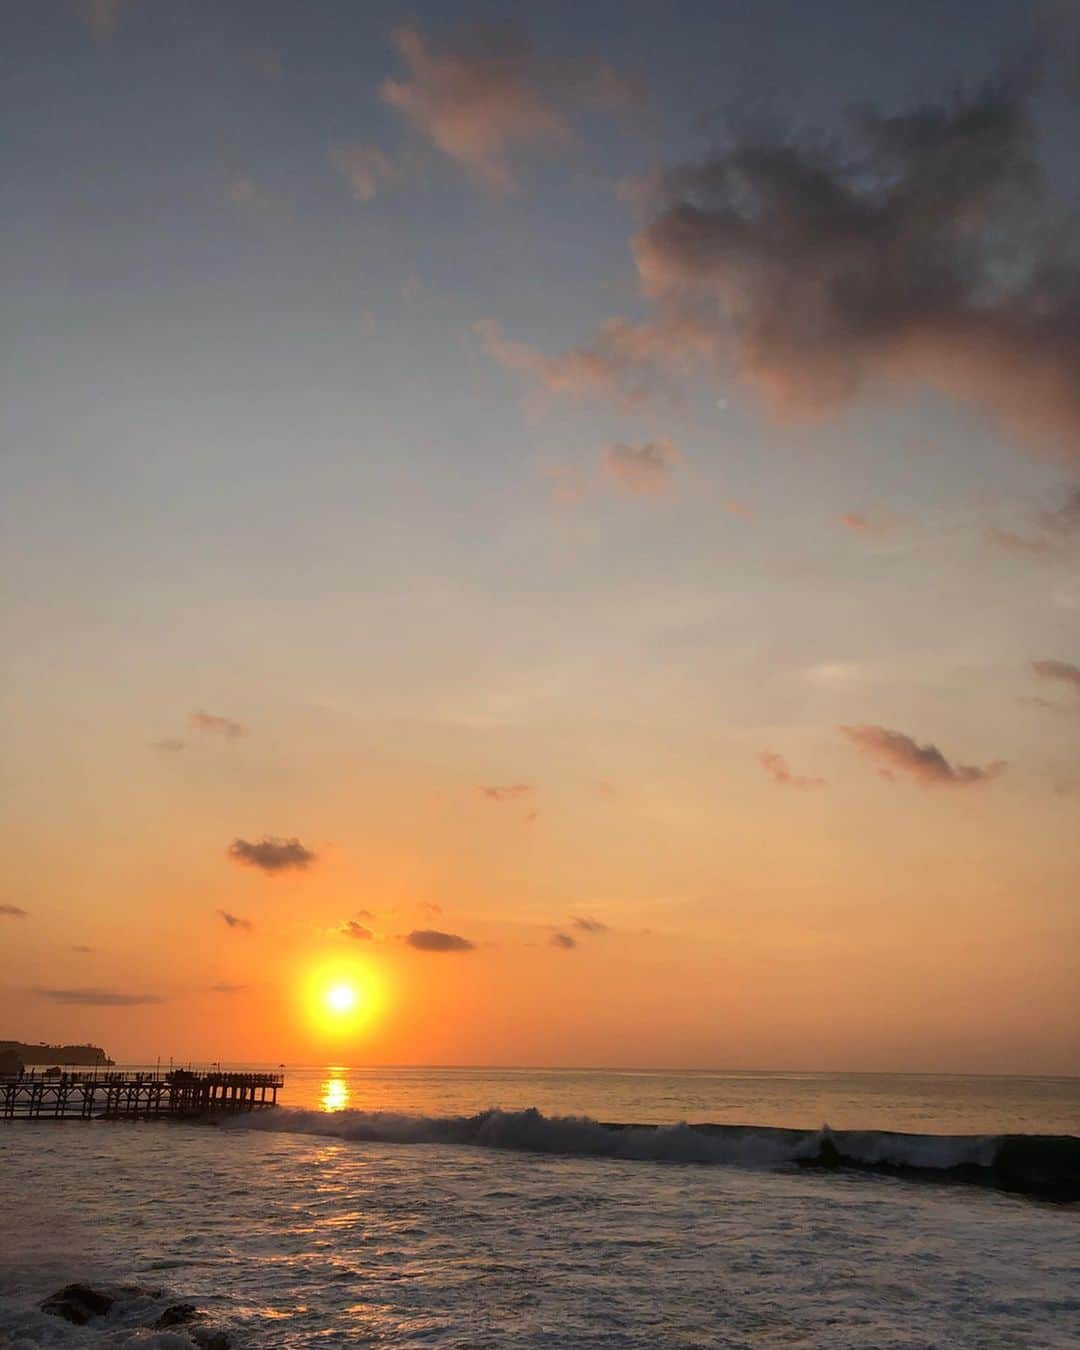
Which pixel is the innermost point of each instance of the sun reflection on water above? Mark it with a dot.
(335, 1091)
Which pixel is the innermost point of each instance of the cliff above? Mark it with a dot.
(89, 1056)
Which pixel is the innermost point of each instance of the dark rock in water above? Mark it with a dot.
(206, 1338)
(78, 1303)
(176, 1315)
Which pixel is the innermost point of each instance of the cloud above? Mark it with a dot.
(82, 947)
(225, 988)
(431, 909)
(922, 253)
(859, 523)
(1064, 671)
(1049, 530)
(366, 168)
(626, 363)
(12, 912)
(776, 766)
(925, 763)
(485, 93)
(924, 250)
(97, 998)
(272, 855)
(1010, 541)
(644, 470)
(563, 940)
(511, 792)
(102, 15)
(590, 926)
(350, 928)
(234, 921)
(431, 940)
(170, 745)
(217, 726)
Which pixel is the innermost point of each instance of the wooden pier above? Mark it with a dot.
(134, 1096)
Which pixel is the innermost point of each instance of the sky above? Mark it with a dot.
(562, 520)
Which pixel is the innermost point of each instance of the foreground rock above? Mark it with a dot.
(78, 1303)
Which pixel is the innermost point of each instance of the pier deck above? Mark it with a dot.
(134, 1096)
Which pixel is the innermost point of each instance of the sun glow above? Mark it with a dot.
(341, 998)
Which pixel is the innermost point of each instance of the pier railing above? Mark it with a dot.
(134, 1096)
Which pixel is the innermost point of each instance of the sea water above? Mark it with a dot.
(363, 1211)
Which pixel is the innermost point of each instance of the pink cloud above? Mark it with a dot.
(896, 753)
(366, 168)
(643, 470)
(485, 93)
(776, 766)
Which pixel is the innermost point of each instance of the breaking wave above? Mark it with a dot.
(1046, 1166)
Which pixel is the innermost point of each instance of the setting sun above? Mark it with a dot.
(341, 998)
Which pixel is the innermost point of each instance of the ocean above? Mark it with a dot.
(479, 1207)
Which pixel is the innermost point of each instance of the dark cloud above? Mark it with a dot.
(97, 998)
(225, 988)
(484, 93)
(234, 921)
(511, 792)
(643, 470)
(589, 925)
(170, 745)
(12, 912)
(1063, 671)
(431, 940)
(776, 766)
(217, 726)
(350, 928)
(563, 940)
(271, 854)
(917, 256)
(924, 249)
(898, 753)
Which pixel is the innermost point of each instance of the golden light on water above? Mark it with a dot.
(335, 1091)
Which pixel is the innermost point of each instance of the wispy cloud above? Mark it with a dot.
(272, 854)
(217, 726)
(102, 15)
(564, 941)
(510, 792)
(585, 924)
(625, 363)
(366, 167)
(1062, 671)
(484, 93)
(431, 940)
(776, 766)
(170, 745)
(234, 921)
(225, 988)
(643, 470)
(12, 912)
(869, 526)
(352, 929)
(81, 947)
(897, 753)
(97, 998)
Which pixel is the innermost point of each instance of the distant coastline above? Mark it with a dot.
(85, 1056)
